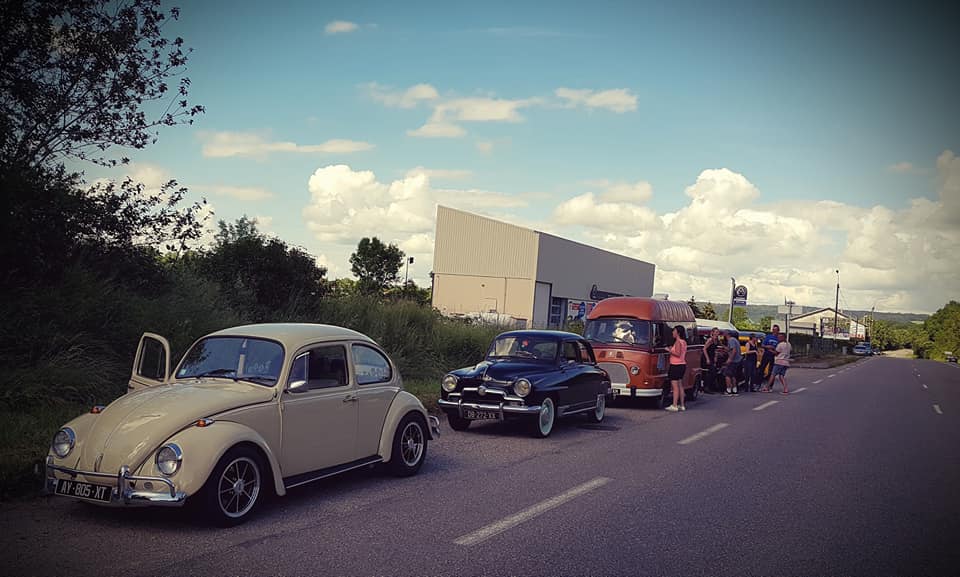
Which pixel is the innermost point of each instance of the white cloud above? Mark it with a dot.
(250, 193)
(904, 258)
(901, 167)
(440, 173)
(347, 205)
(438, 130)
(484, 109)
(252, 145)
(339, 27)
(408, 98)
(619, 100)
(485, 146)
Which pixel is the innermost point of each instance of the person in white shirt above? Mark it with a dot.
(780, 364)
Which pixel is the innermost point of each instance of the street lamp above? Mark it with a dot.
(733, 293)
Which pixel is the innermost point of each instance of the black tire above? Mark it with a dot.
(666, 397)
(596, 415)
(234, 487)
(457, 423)
(544, 422)
(409, 446)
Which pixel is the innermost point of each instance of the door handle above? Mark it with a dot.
(350, 399)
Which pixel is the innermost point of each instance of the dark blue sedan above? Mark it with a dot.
(533, 375)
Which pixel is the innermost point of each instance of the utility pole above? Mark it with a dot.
(406, 273)
(733, 290)
(836, 308)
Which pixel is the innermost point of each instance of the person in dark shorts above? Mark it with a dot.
(731, 368)
(678, 366)
(769, 346)
(750, 364)
(709, 361)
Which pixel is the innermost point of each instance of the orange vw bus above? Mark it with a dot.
(631, 337)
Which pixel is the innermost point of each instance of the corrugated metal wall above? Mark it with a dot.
(468, 244)
(573, 268)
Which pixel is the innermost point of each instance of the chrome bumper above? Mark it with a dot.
(500, 408)
(626, 391)
(122, 493)
(434, 426)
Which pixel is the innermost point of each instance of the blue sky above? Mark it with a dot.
(806, 101)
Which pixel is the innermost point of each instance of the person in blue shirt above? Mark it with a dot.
(769, 346)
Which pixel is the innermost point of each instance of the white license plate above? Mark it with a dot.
(475, 415)
(76, 489)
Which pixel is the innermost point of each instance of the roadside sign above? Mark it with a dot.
(740, 296)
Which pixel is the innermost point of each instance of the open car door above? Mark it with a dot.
(151, 366)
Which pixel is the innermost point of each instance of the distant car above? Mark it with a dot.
(533, 375)
(950, 357)
(862, 349)
(249, 410)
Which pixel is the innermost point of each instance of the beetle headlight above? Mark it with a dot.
(449, 383)
(169, 458)
(63, 442)
(522, 387)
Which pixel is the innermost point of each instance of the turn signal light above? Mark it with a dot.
(97, 409)
(204, 422)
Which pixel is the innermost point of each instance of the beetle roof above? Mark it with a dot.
(293, 334)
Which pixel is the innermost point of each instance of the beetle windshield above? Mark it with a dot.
(619, 331)
(239, 358)
(523, 347)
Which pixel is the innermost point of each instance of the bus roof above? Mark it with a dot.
(642, 308)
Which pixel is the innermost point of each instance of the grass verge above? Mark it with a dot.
(24, 439)
(428, 391)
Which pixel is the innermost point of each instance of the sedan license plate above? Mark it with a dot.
(474, 415)
(68, 488)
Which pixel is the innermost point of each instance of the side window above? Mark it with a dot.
(664, 334)
(327, 367)
(570, 351)
(586, 353)
(371, 366)
(153, 360)
(320, 368)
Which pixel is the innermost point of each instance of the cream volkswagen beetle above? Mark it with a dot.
(248, 409)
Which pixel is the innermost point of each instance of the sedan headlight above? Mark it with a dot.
(63, 442)
(169, 458)
(522, 387)
(449, 383)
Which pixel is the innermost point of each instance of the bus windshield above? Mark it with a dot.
(619, 331)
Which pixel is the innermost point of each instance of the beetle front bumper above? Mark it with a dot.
(122, 494)
(500, 408)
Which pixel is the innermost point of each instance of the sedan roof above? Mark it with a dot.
(293, 334)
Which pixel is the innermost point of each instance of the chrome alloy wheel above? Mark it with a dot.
(601, 408)
(411, 443)
(238, 487)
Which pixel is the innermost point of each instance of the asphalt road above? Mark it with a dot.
(856, 474)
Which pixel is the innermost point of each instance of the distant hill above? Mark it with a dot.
(757, 312)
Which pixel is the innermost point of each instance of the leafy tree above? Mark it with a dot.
(697, 313)
(708, 312)
(742, 321)
(411, 292)
(376, 265)
(343, 287)
(77, 77)
(766, 323)
(263, 277)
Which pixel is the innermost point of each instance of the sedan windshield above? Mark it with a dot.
(523, 347)
(618, 330)
(238, 358)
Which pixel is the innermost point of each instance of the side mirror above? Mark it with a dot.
(297, 387)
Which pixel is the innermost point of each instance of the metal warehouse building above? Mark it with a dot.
(491, 269)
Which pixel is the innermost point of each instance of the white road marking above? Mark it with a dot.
(540, 508)
(765, 405)
(704, 433)
(924, 386)
(818, 381)
(936, 409)
(800, 390)
(831, 376)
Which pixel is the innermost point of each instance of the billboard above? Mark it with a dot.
(577, 310)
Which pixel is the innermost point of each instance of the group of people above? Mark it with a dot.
(724, 362)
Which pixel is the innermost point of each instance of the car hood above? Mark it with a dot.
(503, 371)
(135, 425)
